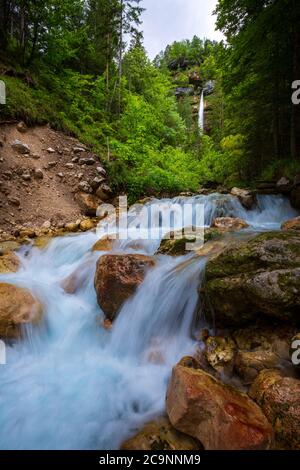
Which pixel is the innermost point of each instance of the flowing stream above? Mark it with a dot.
(71, 384)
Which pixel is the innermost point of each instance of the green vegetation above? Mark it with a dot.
(66, 63)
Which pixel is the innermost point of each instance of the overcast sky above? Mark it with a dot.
(166, 21)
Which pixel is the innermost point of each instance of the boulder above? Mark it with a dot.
(20, 147)
(217, 415)
(88, 203)
(258, 278)
(279, 398)
(284, 185)
(18, 308)
(246, 198)
(229, 224)
(293, 224)
(248, 364)
(9, 262)
(117, 278)
(160, 435)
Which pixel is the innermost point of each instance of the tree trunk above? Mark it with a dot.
(295, 111)
(121, 54)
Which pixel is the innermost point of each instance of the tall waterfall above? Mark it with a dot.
(73, 385)
(201, 112)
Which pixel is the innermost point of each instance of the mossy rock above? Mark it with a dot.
(255, 279)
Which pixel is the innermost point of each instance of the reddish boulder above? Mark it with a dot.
(279, 398)
(218, 415)
(117, 278)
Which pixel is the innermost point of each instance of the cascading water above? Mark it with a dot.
(74, 385)
(201, 112)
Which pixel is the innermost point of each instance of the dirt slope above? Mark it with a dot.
(41, 186)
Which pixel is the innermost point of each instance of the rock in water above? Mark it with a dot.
(18, 307)
(228, 224)
(160, 435)
(259, 277)
(279, 398)
(117, 278)
(218, 415)
(245, 197)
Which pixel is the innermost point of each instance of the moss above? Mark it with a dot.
(273, 250)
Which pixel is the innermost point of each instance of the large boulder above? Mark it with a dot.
(117, 278)
(246, 198)
(160, 435)
(9, 262)
(258, 278)
(218, 415)
(18, 308)
(279, 398)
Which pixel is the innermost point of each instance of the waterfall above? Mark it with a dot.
(73, 385)
(201, 112)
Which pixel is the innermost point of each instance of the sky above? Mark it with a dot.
(166, 21)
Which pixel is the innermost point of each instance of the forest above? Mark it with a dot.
(81, 66)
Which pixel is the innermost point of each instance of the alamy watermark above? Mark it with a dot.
(296, 353)
(154, 221)
(2, 353)
(296, 94)
(2, 92)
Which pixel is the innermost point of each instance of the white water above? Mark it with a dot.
(201, 112)
(73, 385)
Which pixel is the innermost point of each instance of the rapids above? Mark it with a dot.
(70, 384)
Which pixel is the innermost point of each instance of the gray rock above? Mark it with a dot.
(79, 149)
(95, 183)
(38, 174)
(101, 171)
(85, 187)
(20, 147)
(50, 150)
(87, 161)
(26, 177)
(104, 192)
